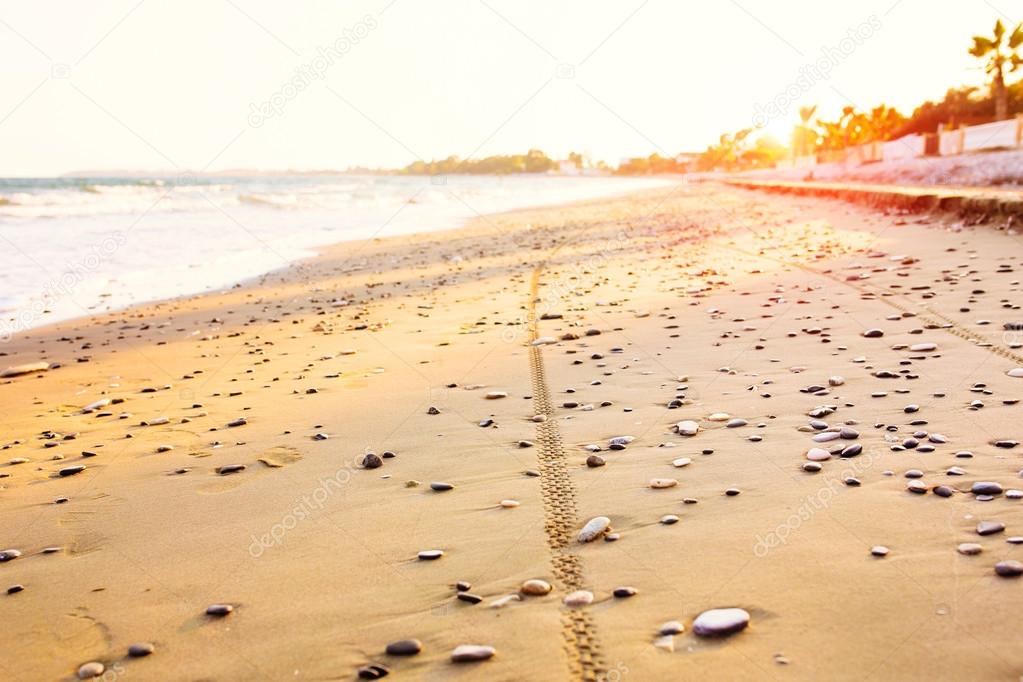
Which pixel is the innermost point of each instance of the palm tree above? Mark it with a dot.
(1000, 57)
(804, 138)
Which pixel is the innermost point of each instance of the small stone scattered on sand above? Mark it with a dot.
(90, 670)
(579, 598)
(1009, 569)
(470, 653)
(720, 622)
(430, 554)
(594, 528)
(990, 527)
(219, 610)
(140, 649)
(535, 587)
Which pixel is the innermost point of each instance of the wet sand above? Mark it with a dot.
(610, 318)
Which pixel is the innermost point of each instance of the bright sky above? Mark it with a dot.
(171, 84)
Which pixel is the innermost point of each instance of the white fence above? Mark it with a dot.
(906, 147)
(985, 136)
(998, 134)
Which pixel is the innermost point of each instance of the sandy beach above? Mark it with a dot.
(297, 447)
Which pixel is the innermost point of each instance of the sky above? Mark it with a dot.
(190, 85)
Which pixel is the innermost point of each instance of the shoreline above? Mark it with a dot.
(307, 251)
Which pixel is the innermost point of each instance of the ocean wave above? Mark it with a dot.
(281, 201)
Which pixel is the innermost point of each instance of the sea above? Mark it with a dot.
(76, 246)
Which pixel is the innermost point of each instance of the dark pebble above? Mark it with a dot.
(140, 649)
(373, 671)
(1009, 569)
(219, 610)
(404, 647)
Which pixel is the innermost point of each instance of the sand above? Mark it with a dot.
(728, 302)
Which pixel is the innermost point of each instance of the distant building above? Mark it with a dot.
(686, 160)
(568, 167)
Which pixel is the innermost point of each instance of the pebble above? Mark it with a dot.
(818, 455)
(509, 504)
(535, 588)
(681, 462)
(990, 527)
(719, 622)
(9, 555)
(672, 627)
(88, 671)
(496, 395)
(594, 528)
(471, 653)
(430, 554)
(624, 592)
(595, 461)
(658, 483)
(969, 548)
(665, 642)
(879, 550)
(441, 486)
(504, 601)
(219, 609)
(986, 488)
(669, 519)
(1009, 569)
(373, 671)
(140, 649)
(72, 470)
(230, 469)
(687, 428)
(579, 598)
(372, 461)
